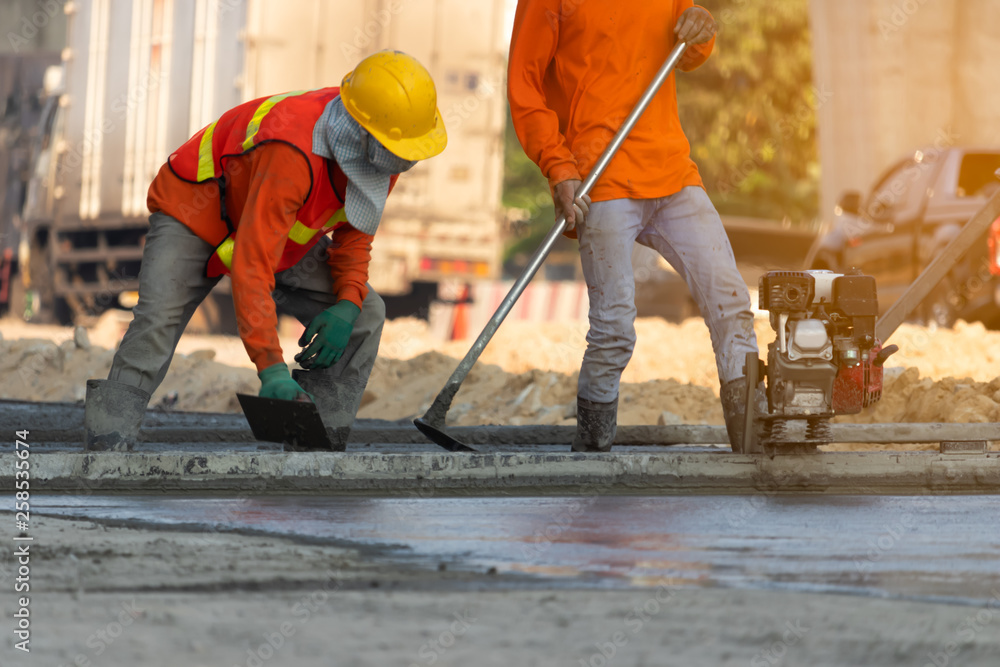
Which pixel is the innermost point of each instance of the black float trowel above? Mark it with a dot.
(296, 424)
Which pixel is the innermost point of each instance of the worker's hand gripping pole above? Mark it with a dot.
(434, 419)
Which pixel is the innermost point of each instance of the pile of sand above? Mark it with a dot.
(909, 398)
(491, 395)
(527, 375)
(41, 370)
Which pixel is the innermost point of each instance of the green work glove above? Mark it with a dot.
(329, 332)
(276, 382)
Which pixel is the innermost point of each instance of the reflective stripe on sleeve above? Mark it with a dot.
(302, 234)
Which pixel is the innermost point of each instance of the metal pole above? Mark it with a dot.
(435, 416)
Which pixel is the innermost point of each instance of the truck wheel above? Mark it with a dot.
(824, 261)
(31, 306)
(942, 306)
(17, 301)
(39, 305)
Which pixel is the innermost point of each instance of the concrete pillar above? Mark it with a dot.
(977, 93)
(841, 57)
(903, 74)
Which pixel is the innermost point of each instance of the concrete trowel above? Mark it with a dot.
(295, 424)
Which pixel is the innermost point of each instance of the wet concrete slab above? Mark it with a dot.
(928, 548)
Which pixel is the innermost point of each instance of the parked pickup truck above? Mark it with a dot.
(913, 211)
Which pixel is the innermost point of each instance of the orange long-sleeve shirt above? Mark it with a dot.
(264, 190)
(576, 70)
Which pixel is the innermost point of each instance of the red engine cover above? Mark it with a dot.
(859, 386)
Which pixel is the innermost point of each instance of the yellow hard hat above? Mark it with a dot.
(393, 97)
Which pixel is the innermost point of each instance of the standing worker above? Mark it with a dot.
(575, 71)
(253, 195)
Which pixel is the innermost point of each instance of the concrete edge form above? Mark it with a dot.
(520, 473)
(63, 423)
(628, 435)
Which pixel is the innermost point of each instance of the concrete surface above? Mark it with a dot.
(904, 547)
(111, 596)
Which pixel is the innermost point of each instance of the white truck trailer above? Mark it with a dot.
(141, 76)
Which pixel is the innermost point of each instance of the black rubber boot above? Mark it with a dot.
(112, 416)
(337, 401)
(733, 396)
(596, 425)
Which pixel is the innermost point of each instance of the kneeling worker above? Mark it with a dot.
(253, 195)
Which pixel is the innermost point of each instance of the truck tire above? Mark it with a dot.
(32, 306)
(942, 306)
(46, 307)
(825, 261)
(17, 299)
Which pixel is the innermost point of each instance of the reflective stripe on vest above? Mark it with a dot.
(225, 252)
(299, 234)
(206, 156)
(254, 125)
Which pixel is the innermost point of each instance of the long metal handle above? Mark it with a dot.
(436, 414)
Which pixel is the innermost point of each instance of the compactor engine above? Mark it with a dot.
(825, 359)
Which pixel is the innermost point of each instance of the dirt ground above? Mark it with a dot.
(527, 375)
(117, 596)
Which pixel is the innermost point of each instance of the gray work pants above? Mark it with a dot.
(172, 283)
(687, 231)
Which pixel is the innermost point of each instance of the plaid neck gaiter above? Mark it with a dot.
(367, 164)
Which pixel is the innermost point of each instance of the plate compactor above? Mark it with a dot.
(826, 359)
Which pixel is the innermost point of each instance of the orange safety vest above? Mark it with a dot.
(287, 118)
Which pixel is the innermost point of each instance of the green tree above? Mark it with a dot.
(750, 111)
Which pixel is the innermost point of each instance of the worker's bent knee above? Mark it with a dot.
(373, 306)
